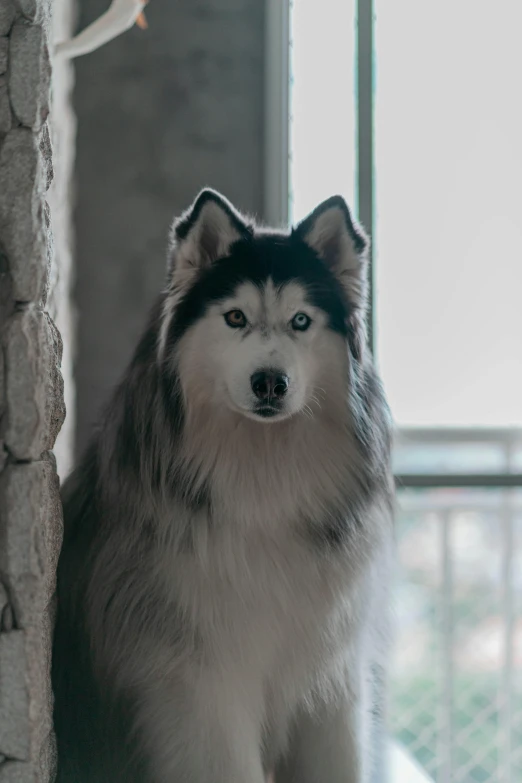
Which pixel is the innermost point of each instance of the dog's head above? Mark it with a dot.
(262, 322)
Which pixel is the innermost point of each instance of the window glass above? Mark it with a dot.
(322, 103)
(448, 235)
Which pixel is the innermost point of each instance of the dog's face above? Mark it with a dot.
(264, 350)
(261, 323)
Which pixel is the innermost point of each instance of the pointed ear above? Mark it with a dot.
(341, 243)
(204, 233)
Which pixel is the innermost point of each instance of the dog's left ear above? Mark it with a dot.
(341, 244)
(204, 233)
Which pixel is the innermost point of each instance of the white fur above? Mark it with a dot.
(210, 238)
(218, 361)
(289, 632)
(257, 653)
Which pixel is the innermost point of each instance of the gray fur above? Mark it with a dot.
(222, 580)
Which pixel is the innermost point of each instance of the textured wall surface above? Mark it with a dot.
(31, 395)
(62, 126)
(161, 114)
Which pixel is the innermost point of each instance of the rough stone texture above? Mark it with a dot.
(29, 537)
(62, 126)
(7, 15)
(188, 113)
(17, 772)
(31, 388)
(14, 696)
(5, 107)
(29, 74)
(24, 234)
(6, 612)
(34, 387)
(38, 11)
(4, 48)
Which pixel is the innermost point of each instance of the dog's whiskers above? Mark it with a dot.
(315, 400)
(308, 412)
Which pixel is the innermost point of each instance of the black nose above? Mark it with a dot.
(267, 385)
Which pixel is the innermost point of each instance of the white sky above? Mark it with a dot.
(448, 239)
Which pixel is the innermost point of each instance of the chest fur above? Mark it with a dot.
(263, 590)
(261, 598)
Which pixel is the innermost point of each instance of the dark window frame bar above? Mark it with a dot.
(457, 480)
(364, 103)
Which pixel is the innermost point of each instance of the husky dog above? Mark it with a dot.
(227, 533)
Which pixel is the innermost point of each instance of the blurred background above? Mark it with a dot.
(411, 110)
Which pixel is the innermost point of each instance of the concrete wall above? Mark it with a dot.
(160, 114)
(31, 390)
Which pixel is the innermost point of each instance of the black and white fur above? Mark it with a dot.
(223, 572)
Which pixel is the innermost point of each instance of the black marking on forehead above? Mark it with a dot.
(282, 258)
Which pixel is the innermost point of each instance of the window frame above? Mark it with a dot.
(277, 195)
(277, 185)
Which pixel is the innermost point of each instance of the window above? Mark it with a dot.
(448, 228)
(322, 103)
(410, 110)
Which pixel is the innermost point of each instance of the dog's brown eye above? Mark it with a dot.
(236, 319)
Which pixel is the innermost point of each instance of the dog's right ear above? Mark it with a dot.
(203, 234)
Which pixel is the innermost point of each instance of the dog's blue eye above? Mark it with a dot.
(236, 319)
(300, 322)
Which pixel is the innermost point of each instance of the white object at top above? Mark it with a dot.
(120, 16)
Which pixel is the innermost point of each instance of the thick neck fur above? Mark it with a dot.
(159, 446)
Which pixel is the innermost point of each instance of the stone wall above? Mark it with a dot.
(62, 124)
(31, 393)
